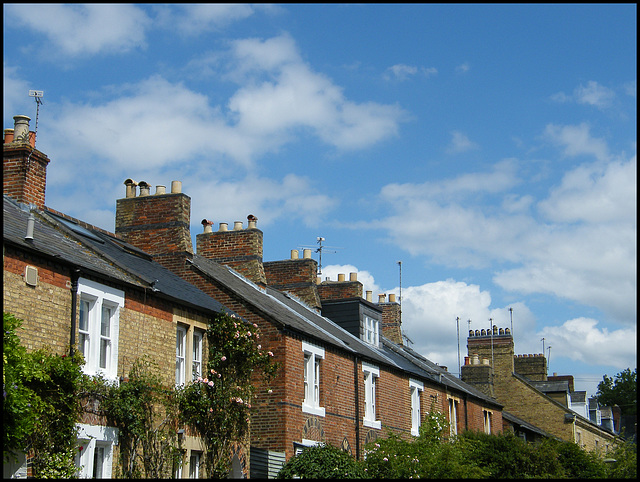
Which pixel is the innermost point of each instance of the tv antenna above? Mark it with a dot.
(319, 250)
(37, 94)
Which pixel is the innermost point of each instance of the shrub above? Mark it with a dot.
(322, 462)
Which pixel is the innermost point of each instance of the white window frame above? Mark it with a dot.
(196, 354)
(453, 416)
(312, 356)
(181, 355)
(415, 389)
(371, 373)
(487, 421)
(96, 297)
(195, 458)
(371, 330)
(90, 438)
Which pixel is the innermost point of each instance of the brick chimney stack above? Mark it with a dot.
(24, 167)
(297, 276)
(240, 249)
(158, 224)
(391, 318)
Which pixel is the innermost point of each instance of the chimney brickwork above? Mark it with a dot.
(534, 367)
(296, 276)
(339, 290)
(157, 224)
(239, 249)
(24, 169)
(497, 347)
(391, 321)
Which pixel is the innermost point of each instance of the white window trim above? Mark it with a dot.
(415, 386)
(99, 295)
(316, 353)
(371, 372)
(196, 349)
(181, 373)
(372, 332)
(453, 415)
(91, 436)
(487, 416)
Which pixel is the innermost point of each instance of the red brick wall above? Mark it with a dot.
(157, 224)
(238, 249)
(24, 182)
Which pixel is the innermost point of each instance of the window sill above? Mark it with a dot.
(310, 409)
(372, 423)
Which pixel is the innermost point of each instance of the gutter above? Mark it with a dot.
(75, 274)
(357, 405)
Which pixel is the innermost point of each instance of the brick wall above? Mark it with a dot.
(296, 276)
(339, 290)
(239, 249)
(157, 224)
(45, 308)
(24, 181)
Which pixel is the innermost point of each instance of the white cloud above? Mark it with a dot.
(460, 143)
(577, 140)
(84, 29)
(579, 244)
(400, 72)
(581, 340)
(594, 94)
(15, 99)
(463, 68)
(194, 19)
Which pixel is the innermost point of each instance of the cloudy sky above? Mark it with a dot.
(478, 157)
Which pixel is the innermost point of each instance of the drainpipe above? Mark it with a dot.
(357, 401)
(466, 418)
(75, 274)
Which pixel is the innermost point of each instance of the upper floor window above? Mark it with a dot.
(312, 359)
(415, 388)
(181, 355)
(371, 374)
(487, 421)
(99, 326)
(189, 350)
(371, 330)
(196, 359)
(453, 416)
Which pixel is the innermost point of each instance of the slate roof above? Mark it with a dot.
(102, 254)
(297, 317)
(99, 254)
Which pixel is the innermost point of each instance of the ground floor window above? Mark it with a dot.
(95, 451)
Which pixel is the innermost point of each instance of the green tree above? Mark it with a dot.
(621, 391)
(217, 407)
(40, 404)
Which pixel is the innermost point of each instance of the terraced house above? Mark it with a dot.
(345, 376)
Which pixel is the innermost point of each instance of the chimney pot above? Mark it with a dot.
(306, 254)
(382, 298)
(176, 187)
(8, 136)
(144, 188)
(207, 225)
(294, 254)
(466, 360)
(237, 226)
(21, 128)
(353, 276)
(252, 221)
(161, 190)
(224, 227)
(131, 187)
(369, 295)
(392, 298)
(341, 277)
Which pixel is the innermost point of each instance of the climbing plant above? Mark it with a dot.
(40, 404)
(217, 405)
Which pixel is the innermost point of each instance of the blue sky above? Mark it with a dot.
(489, 148)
